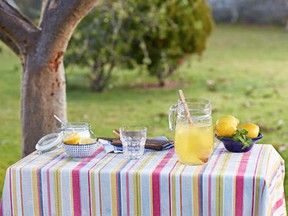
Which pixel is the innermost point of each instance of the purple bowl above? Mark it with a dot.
(236, 146)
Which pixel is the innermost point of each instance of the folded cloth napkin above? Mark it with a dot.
(119, 149)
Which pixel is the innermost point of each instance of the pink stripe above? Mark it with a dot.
(169, 183)
(10, 179)
(21, 190)
(39, 190)
(279, 203)
(117, 193)
(254, 179)
(1, 213)
(240, 184)
(156, 183)
(271, 190)
(10, 184)
(76, 183)
(209, 182)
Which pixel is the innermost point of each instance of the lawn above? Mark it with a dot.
(243, 72)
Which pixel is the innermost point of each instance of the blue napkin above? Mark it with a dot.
(118, 149)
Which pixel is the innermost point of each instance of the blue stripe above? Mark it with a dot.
(39, 171)
(119, 186)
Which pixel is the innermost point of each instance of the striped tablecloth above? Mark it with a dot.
(107, 184)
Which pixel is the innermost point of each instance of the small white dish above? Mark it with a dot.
(80, 150)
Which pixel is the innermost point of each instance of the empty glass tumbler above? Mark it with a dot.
(133, 140)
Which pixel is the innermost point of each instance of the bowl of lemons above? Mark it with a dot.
(77, 146)
(237, 137)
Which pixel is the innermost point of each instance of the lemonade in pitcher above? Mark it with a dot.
(194, 140)
(193, 143)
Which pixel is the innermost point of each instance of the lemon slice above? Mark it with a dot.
(71, 138)
(86, 141)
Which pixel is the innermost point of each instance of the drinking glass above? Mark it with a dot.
(133, 140)
(193, 141)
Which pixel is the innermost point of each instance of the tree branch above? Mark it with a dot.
(15, 24)
(60, 18)
(10, 43)
(13, 9)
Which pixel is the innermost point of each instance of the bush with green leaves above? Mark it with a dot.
(155, 34)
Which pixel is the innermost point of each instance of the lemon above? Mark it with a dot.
(86, 140)
(71, 138)
(225, 129)
(253, 129)
(228, 118)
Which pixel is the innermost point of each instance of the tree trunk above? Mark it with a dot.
(96, 86)
(102, 75)
(41, 49)
(161, 79)
(43, 95)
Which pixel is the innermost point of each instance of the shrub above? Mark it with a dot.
(155, 34)
(172, 29)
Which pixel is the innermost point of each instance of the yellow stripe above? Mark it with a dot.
(195, 190)
(173, 188)
(93, 193)
(257, 183)
(270, 207)
(272, 170)
(137, 208)
(20, 164)
(35, 191)
(219, 184)
(92, 187)
(71, 191)
(104, 162)
(137, 186)
(35, 184)
(114, 190)
(181, 202)
(57, 188)
(15, 209)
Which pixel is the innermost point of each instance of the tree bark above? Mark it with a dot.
(43, 95)
(41, 51)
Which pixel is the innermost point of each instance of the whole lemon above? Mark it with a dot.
(253, 129)
(225, 129)
(228, 118)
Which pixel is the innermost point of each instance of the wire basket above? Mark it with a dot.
(80, 150)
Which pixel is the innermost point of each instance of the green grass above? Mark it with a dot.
(246, 65)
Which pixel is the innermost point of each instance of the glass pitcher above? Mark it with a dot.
(193, 141)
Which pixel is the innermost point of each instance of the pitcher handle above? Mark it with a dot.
(172, 117)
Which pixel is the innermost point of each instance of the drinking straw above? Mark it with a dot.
(116, 132)
(58, 119)
(186, 109)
